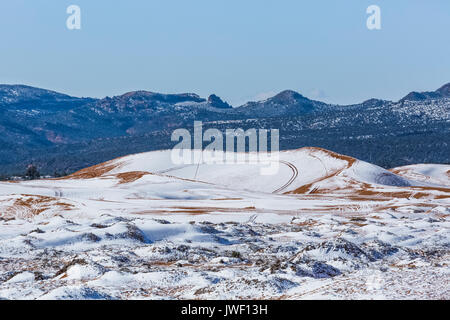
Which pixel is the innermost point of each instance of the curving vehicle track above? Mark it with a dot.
(291, 180)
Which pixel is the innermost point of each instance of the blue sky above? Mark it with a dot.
(239, 49)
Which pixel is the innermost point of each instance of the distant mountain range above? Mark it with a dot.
(60, 133)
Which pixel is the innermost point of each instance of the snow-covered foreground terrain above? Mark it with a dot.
(139, 227)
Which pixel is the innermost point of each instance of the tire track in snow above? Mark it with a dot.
(291, 180)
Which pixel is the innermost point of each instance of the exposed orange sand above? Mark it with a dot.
(32, 205)
(127, 177)
(92, 172)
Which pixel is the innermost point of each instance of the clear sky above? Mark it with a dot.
(239, 49)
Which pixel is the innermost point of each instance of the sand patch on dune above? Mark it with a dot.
(128, 177)
(28, 206)
(93, 172)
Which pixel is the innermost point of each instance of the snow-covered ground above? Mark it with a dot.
(140, 227)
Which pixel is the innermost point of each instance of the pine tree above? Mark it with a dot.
(32, 172)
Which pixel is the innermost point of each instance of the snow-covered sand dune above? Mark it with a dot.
(429, 173)
(142, 227)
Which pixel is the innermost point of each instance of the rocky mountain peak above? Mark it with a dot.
(288, 97)
(444, 90)
(217, 102)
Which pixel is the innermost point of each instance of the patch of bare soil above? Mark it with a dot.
(198, 210)
(29, 206)
(128, 177)
(350, 160)
(96, 171)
